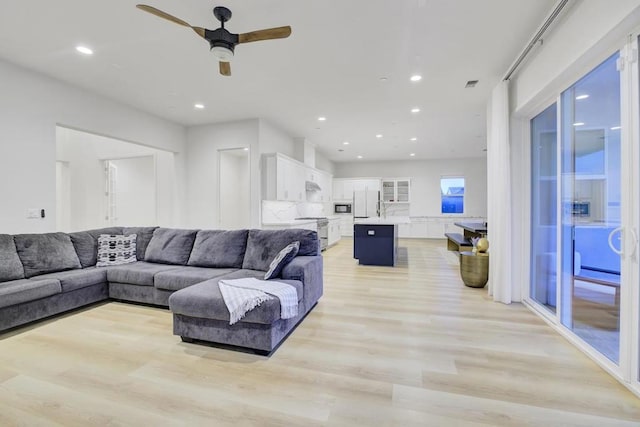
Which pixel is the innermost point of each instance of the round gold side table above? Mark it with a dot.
(474, 269)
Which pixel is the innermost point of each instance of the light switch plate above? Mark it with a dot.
(371, 232)
(33, 213)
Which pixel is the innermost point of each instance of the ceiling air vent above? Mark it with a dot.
(471, 83)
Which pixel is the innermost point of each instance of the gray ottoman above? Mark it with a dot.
(199, 313)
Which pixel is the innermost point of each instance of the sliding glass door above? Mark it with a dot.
(590, 209)
(544, 183)
(585, 213)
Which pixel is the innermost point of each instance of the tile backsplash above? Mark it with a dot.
(274, 211)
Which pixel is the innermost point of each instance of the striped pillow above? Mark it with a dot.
(116, 249)
(283, 258)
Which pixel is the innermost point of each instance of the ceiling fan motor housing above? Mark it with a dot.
(221, 38)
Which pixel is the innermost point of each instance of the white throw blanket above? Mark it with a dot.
(242, 295)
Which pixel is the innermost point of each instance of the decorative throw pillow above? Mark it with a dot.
(116, 249)
(283, 258)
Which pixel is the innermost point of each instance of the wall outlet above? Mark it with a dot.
(33, 213)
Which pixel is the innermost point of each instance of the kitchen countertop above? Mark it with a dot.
(291, 222)
(382, 221)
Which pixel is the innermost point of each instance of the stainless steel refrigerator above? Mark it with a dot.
(366, 204)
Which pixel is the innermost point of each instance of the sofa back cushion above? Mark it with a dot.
(10, 265)
(86, 244)
(170, 246)
(143, 237)
(46, 253)
(219, 248)
(264, 245)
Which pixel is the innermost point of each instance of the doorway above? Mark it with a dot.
(234, 189)
(103, 181)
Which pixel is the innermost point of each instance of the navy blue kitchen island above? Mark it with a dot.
(375, 243)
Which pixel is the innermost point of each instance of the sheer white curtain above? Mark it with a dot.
(499, 194)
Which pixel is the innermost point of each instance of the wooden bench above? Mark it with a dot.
(614, 285)
(457, 242)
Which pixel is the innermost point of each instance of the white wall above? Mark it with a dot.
(31, 105)
(202, 165)
(581, 40)
(425, 181)
(274, 140)
(136, 191)
(323, 163)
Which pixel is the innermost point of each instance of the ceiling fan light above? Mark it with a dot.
(222, 53)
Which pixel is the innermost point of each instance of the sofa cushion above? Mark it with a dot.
(71, 280)
(116, 249)
(283, 258)
(144, 235)
(46, 253)
(138, 273)
(170, 246)
(204, 300)
(25, 290)
(219, 248)
(10, 265)
(86, 244)
(183, 277)
(264, 245)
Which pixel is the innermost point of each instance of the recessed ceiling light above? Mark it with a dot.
(322, 119)
(345, 143)
(578, 124)
(585, 96)
(471, 83)
(383, 79)
(615, 128)
(379, 135)
(359, 157)
(246, 149)
(414, 139)
(198, 106)
(412, 154)
(415, 110)
(84, 50)
(416, 78)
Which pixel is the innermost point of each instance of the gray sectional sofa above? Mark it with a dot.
(45, 274)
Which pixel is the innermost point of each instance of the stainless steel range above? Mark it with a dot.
(323, 230)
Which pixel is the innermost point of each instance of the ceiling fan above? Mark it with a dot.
(223, 42)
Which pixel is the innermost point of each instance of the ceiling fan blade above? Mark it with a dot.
(225, 68)
(162, 14)
(200, 31)
(268, 34)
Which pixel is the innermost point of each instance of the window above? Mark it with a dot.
(452, 190)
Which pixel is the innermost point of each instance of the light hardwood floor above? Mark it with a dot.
(400, 346)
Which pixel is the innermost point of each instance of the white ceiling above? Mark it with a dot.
(330, 66)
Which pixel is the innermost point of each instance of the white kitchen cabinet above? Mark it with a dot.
(346, 225)
(343, 190)
(324, 181)
(334, 232)
(283, 179)
(396, 190)
(404, 230)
